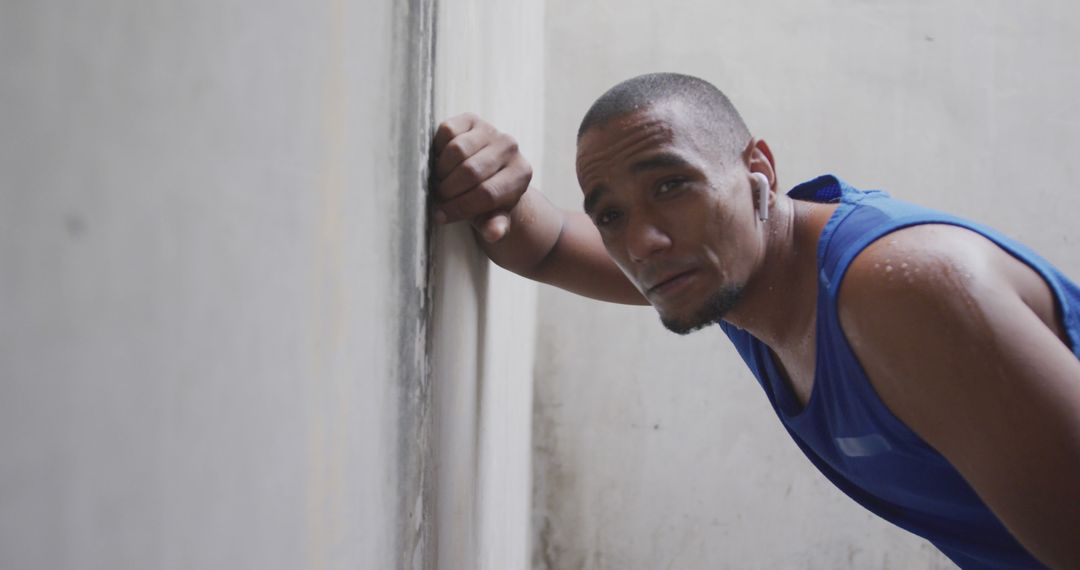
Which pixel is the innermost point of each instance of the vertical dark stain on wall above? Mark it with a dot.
(414, 41)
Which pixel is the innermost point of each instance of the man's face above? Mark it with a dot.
(675, 215)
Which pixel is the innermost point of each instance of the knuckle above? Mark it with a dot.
(511, 143)
(508, 143)
(442, 134)
(443, 138)
(454, 151)
(485, 196)
(523, 173)
(472, 171)
(490, 190)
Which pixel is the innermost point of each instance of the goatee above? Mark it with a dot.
(712, 310)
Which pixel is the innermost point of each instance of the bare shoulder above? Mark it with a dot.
(928, 272)
(914, 300)
(948, 328)
(926, 301)
(923, 259)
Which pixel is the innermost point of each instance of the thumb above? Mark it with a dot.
(494, 227)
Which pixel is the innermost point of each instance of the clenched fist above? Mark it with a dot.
(480, 175)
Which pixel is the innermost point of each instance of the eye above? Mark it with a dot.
(606, 218)
(669, 185)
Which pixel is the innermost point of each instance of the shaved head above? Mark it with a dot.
(711, 107)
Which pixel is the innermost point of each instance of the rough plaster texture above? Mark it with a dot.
(489, 60)
(211, 304)
(656, 451)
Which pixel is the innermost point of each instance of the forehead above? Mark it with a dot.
(627, 136)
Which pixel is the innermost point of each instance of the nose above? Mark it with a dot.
(644, 239)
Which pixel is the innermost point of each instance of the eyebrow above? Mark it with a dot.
(594, 197)
(654, 162)
(658, 161)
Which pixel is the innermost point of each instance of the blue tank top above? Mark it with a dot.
(848, 432)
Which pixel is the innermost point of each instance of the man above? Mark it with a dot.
(926, 365)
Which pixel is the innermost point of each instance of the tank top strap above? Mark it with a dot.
(865, 216)
(862, 218)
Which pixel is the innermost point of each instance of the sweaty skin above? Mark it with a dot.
(671, 222)
(994, 388)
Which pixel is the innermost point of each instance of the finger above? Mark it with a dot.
(451, 128)
(472, 172)
(459, 149)
(501, 191)
(494, 227)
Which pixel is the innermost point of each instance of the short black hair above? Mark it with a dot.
(646, 90)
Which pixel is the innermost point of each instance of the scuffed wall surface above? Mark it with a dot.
(211, 332)
(489, 60)
(414, 45)
(655, 451)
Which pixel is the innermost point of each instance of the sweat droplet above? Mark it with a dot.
(888, 268)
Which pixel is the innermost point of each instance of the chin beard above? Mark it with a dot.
(713, 310)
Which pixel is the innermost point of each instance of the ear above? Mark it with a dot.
(758, 157)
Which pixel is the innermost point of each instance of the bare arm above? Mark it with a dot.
(964, 354)
(482, 177)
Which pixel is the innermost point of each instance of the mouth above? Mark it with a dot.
(672, 284)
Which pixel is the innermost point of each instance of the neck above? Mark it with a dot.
(778, 304)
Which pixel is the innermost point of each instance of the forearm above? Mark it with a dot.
(560, 248)
(535, 225)
(482, 177)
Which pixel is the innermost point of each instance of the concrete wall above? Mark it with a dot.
(489, 60)
(214, 347)
(655, 451)
(211, 309)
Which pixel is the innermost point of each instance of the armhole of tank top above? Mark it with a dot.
(830, 311)
(1069, 321)
(856, 246)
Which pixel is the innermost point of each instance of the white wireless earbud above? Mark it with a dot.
(761, 185)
